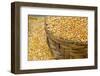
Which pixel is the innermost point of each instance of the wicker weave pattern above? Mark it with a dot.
(69, 51)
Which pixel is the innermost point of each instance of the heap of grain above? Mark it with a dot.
(67, 36)
(37, 45)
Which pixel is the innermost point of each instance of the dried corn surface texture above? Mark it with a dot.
(47, 36)
(37, 44)
(68, 28)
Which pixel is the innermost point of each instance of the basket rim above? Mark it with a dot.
(49, 35)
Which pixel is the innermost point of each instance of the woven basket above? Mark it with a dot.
(66, 49)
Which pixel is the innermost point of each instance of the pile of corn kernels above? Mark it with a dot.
(68, 28)
(37, 44)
